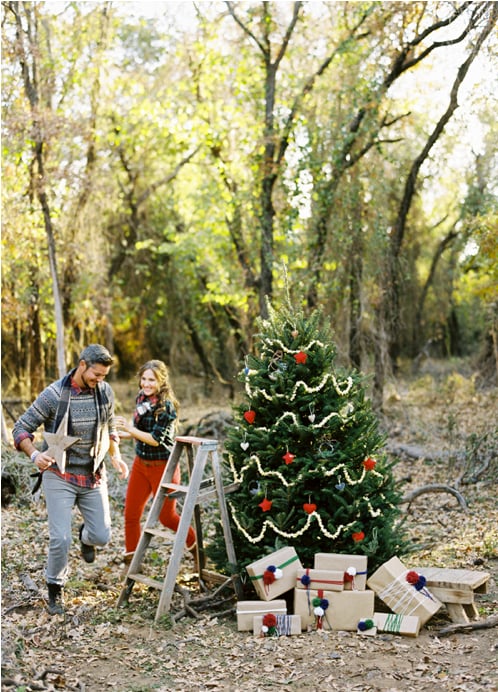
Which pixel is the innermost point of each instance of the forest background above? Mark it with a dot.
(168, 167)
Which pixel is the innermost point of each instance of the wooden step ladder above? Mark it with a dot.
(198, 490)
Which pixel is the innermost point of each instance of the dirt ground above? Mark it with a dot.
(441, 429)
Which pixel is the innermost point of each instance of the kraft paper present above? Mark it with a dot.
(397, 624)
(391, 583)
(353, 567)
(303, 606)
(345, 609)
(285, 626)
(319, 579)
(283, 565)
(247, 610)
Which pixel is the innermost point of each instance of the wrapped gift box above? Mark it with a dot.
(393, 584)
(343, 563)
(285, 625)
(345, 608)
(283, 564)
(327, 580)
(397, 624)
(303, 606)
(247, 610)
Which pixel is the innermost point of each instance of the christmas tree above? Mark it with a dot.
(305, 451)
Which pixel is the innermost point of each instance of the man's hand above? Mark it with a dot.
(121, 467)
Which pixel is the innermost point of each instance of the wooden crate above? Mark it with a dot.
(456, 589)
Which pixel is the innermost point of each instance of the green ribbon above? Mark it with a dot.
(285, 564)
(393, 623)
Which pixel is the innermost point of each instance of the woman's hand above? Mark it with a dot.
(123, 424)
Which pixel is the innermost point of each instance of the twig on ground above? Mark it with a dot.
(434, 488)
(491, 621)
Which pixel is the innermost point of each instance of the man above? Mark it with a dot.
(77, 412)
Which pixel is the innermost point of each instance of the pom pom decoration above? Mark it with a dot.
(358, 536)
(300, 358)
(364, 625)
(349, 575)
(416, 580)
(320, 605)
(269, 626)
(269, 575)
(269, 620)
(305, 580)
(369, 464)
(250, 416)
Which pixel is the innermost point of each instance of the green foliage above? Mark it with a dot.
(336, 483)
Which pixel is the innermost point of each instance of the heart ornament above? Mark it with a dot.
(250, 416)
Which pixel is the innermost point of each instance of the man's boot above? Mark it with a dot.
(55, 600)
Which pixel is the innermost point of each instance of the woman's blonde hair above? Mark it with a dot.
(165, 390)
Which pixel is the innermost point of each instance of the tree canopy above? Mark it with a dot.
(166, 165)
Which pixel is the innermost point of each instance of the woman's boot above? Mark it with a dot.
(55, 600)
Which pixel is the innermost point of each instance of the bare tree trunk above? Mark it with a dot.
(30, 67)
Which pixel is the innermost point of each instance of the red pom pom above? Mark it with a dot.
(270, 620)
(268, 578)
(412, 577)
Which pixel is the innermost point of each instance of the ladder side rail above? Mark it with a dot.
(182, 532)
(225, 521)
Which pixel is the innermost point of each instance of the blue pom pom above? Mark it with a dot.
(422, 581)
(271, 568)
(324, 603)
(362, 626)
(305, 580)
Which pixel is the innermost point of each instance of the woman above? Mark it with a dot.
(153, 428)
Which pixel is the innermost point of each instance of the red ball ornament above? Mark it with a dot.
(250, 416)
(300, 357)
(309, 507)
(265, 505)
(358, 536)
(288, 457)
(369, 464)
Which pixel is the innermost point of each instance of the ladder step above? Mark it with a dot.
(162, 533)
(148, 581)
(178, 490)
(197, 441)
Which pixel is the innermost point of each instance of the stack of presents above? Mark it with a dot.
(338, 594)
